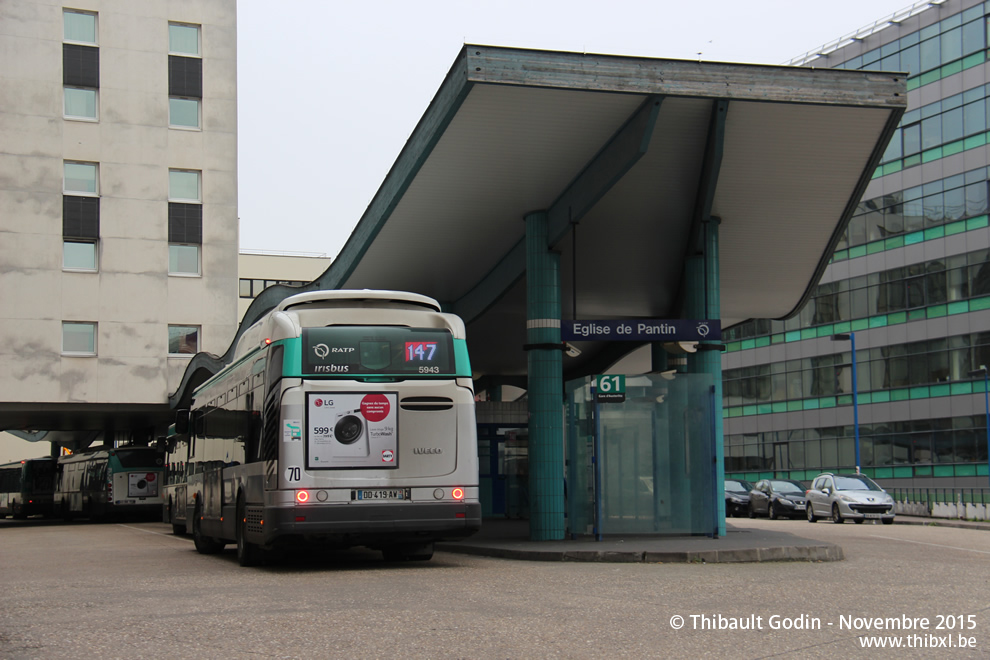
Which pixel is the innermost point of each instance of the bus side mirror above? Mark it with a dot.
(182, 422)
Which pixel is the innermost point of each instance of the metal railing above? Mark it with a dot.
(864, 32)
(961, 503)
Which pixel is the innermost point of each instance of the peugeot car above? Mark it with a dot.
(844, 497)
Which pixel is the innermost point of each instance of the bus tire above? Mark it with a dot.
(204, 544)
(17, 511)
(248, 554)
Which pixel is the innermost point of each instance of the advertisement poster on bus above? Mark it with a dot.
(352, 429)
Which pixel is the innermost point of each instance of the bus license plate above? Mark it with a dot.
(873, 516)
(383, 494)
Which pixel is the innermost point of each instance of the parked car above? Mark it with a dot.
(737, 497)
(844, 497)
(777, 498)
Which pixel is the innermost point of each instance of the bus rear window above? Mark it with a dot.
(137, 458)
(365, 350)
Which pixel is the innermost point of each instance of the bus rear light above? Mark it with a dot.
(460, 515)
(300, 518)
(302, 496)
(457, 493)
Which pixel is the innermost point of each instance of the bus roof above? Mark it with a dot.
(358, 295)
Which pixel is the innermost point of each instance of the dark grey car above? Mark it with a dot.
(737, 497)
(777, 498)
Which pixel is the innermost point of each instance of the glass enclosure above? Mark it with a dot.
(656, 470)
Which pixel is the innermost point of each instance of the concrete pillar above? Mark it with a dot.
(546, 428)
(702, 277)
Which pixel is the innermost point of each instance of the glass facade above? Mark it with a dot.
(930, 48)
(919, 305)
(655, 454)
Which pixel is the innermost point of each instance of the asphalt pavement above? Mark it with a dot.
(509, 539)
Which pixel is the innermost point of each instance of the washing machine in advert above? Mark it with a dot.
(352, 429)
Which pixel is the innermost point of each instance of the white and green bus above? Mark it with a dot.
(110, 482)
(27, 488)
(345, 418)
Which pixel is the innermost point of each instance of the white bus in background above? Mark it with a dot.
(110, 482)
(345, 418)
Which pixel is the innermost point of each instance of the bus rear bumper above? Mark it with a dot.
(373, 524)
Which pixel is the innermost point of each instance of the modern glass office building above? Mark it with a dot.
(907, 290)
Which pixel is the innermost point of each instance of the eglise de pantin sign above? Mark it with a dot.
(641, 330)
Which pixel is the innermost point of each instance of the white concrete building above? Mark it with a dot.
(118, 206)
(259, 269)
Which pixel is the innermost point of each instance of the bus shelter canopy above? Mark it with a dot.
(628, 156)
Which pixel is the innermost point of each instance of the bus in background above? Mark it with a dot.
(345, 418)
(111, 482)
(27, 488)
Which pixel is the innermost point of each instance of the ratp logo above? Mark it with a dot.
(321, 350)
(703, 329)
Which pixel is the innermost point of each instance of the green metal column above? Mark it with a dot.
(546, 427)
(703, 303)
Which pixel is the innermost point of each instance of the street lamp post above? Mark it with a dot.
(986, 402)
(851, 338)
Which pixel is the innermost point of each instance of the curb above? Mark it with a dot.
(942, 522)
(826, 552)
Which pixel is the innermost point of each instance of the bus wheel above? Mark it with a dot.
(17, 511)
(408, 552)
(248, 554)
(204, 544)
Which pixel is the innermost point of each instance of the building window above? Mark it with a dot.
(183, 113)
(183, 259)
(183, 39)
(80, 179)
(185, 222)
(80, 56)
(249, 288)
(80, 215)
(79, 26)
(184, 186)
(183, 339)
(79, 255)
(80, 103)
(78, 338)
(185, 76)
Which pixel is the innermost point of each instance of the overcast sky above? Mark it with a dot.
(329, 91)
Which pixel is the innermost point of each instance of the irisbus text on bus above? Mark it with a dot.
(345, 418)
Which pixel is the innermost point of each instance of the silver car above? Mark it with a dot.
(844, 497)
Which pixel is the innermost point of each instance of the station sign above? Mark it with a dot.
(610, 389)
(641, 330)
